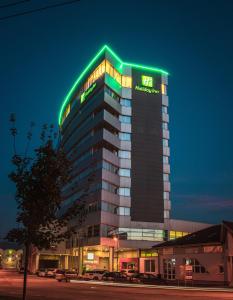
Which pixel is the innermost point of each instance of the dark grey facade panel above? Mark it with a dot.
(147, 153)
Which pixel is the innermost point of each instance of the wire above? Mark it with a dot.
(14, 3)
(38, 9)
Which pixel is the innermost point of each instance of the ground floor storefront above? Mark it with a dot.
(98, 257)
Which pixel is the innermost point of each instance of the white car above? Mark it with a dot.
(41, 273)
(94, 275)
(129, 272)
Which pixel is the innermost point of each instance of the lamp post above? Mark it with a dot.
(116, 240)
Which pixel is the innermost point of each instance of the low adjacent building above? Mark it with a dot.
(205, 256)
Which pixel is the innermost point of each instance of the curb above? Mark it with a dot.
(165, 287)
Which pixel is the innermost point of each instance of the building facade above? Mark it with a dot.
(114, 128)
(203, 257)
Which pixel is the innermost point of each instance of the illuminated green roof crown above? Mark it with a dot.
(88, 67)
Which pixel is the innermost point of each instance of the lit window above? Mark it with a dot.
(125, 119)
(165, 159)
(165, 177)
(165, 125)
(164, 109)
(166, 195)
(125, 102)
(124, 154)
(123, 211)
(123, 136)
(165, 142)
(124, 172)
(126, 81)
(164, 89)
(166, 214)
(124, 192)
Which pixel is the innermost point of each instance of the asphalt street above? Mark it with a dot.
(44, 288)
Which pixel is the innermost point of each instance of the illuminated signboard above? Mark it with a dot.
(146, 85)
(90, 256)
(85, 94)
(147, 81)
(146, 90)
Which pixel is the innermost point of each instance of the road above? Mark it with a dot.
(46, 289)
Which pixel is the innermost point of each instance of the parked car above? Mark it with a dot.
(147, 278)
(94, 275)
(129, 272)
(50, 272)
(116, 276)
(65, 275)
(41, 272)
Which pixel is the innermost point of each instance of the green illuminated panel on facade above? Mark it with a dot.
(87, 93)
(90, 65)
(147, 81)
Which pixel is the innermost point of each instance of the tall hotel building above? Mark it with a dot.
(114, 127)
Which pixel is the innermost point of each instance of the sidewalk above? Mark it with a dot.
(148, 286)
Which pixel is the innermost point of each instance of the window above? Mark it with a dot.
(165, 125)
(89, 231)
(124, 172)
(166, 214)
(221, 269)
(95, 75)
(149, 265)
(126, 81)
(176, 234)
(164, 109)
(123, 211)
(109, 187)
(112, 94)
(165, 159)
(125, 102)
(113, 72)
(109, 167)
(166, 195)
(109, 207)
(124, 192)
(125, 119)
(124, 154)
(165, 142)
(165, 177)
(169, 268)
(142, 234)
(164, 89)
(197, 267)
(123, 136)
(96, 230)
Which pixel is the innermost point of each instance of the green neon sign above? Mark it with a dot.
(87, 93)
(146, 89)
(147, 81)
(90, 66)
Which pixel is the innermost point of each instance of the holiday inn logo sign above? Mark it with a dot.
(146, 85)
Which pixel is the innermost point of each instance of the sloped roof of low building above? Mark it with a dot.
(209, 235)
(228, 225)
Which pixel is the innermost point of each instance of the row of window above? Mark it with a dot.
(176, 234)
(141, 234)
(105, 66)
(117, 210)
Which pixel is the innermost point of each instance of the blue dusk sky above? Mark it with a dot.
(42, 53)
